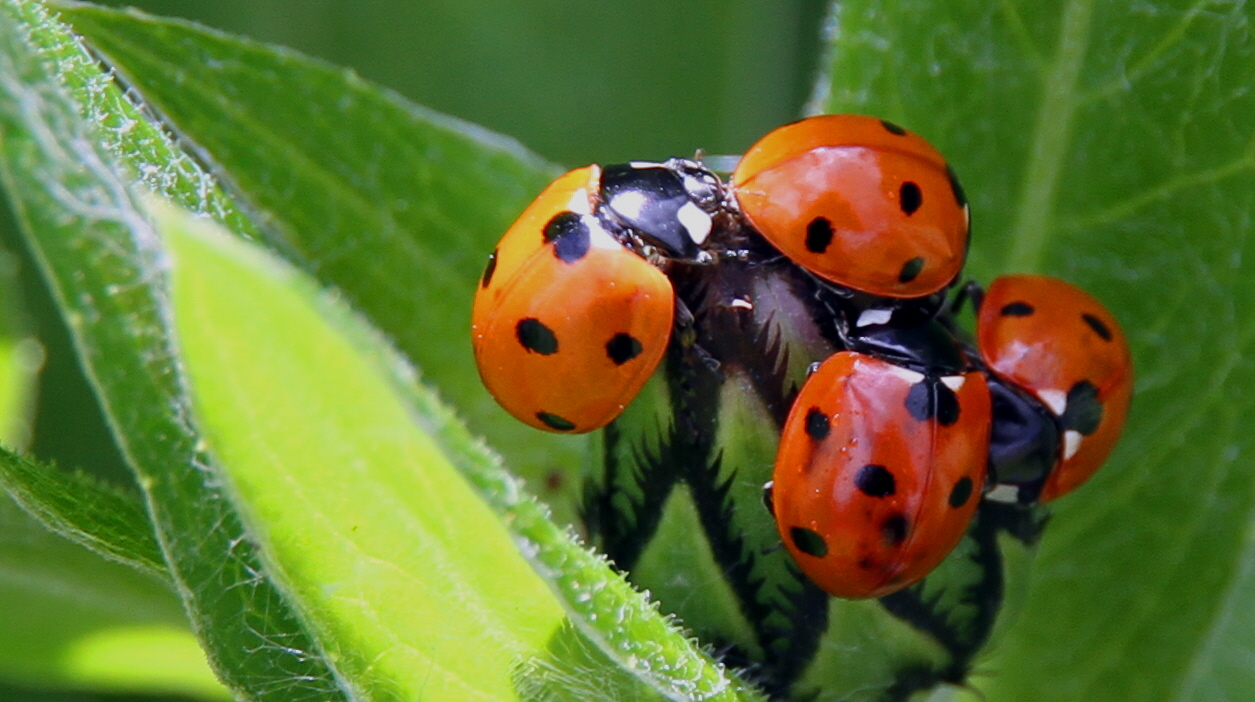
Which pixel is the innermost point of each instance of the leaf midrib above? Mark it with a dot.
(1051, 137)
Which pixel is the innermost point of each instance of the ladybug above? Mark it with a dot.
(857, 201)
(572, 313)
(879, 471)
(1062, 379)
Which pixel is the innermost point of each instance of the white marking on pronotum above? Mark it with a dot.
(695, 185)
(644, 164)
(1004, 493)
(954, 382)
(1056, 400)
(873, 316)
(629, 203)
(696, 222)
(906, 374)
(741, 303)
(1071, 443)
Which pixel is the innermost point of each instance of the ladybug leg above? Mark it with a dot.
(828, 300)
(684, 335)
(707, 360)
(970, 290)
(684, 330)
(771, 509)
(976, 293)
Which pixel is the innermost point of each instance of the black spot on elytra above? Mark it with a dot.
(808, 542)
(623, 348)
(959, 196)
(489, 269)
(1016, 309)
(1098, 326)
(960, 492)
(818, 235)
(911, 270)
(910, 197)
(894, 530)
(568, 232)
(1084, 411)
(932, 399)
(875, 481)
(536, 337)
(554, 422)
(817, 426)
(892, 128)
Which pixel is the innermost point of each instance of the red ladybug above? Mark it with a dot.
(1054, 342)
(858, 201)
(879, 471)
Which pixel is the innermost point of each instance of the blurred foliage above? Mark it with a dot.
(576, 81)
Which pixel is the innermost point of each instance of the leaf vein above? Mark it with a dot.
(1051, 136)
(1150, 61)
(1126, 207)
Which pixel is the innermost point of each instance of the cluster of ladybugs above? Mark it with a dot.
(891, 443)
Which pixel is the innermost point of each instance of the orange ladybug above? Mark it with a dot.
(858, 201)
(570, 319)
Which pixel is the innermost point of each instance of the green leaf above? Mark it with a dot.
(1114, 146)
(367, 523)
(101, 260)
(87, 623)
(393, 204)
(119, 126)
(359, 515)
(103, 518)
